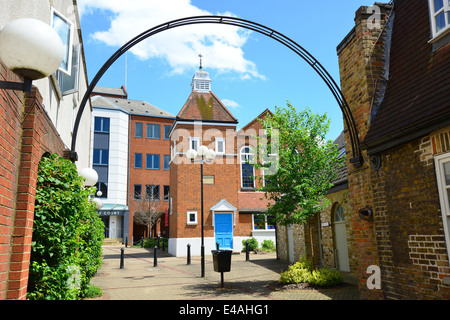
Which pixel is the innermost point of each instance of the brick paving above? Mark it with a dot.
(172, 279)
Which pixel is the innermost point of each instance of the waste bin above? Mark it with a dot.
(222, 260)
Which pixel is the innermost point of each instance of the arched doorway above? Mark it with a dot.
(340, 239)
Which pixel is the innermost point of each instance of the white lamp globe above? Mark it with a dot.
(90, 175)
(202, 150)
(191, 154)
(210, 154)
(98, 203)
(31, 48)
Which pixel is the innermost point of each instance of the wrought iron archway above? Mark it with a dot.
(299, 50)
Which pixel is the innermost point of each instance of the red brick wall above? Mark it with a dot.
(26, 133)
(144, 176)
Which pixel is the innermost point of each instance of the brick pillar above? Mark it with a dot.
(360, 62)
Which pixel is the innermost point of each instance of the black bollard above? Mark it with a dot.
(217, 245)
(159, 242)
(188, 254)
(155, 258)
(122, 251)
(247, 257)
(126, 242)
(142, 242)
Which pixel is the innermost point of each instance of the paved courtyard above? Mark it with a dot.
(172, 279)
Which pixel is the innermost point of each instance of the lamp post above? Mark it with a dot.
(206, 155)
(31, 49)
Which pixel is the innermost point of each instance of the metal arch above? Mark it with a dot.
(299, 50)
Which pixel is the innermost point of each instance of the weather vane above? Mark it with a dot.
(200, 55)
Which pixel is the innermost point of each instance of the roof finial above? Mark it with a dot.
(200, 55)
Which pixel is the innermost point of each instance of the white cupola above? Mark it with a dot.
(201, 82)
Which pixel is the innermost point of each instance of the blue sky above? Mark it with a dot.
(250, 72)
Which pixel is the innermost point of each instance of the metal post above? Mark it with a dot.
(188, 254)
(155, 258)
(247, 256)
(122, 251)
(126, 241)
(159, 242)
(203, 240)
(217, 245)
(142, 242)
(221, 280)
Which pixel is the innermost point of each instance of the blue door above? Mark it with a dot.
(224, 230)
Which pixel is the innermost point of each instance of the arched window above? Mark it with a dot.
(339, 214)
(247, 170)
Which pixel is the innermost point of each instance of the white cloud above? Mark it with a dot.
(221, 46)
(230, 103)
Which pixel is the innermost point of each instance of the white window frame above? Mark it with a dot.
(194, 139)
(265, 223)
(433, 14)
(218, 141)
(188, 221)
(443, 195)
(68, 43)
(243, 161)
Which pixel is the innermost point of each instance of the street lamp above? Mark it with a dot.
(206, 155)
(31, 49)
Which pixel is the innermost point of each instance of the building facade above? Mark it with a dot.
(394, 68)
(33, 124)
(231, 207)
(130, 152)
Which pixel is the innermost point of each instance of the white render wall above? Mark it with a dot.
(118, 153)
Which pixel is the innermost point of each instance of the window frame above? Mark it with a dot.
(135, 194)
(135, 154)
(218, 140)
(166, 195)
(194, 139)
(188, 220)
(153, 131)
(242, 163)
(152, 198)
(444, 195)
(68, 43)
(166, 158)
(167, 132)
(153, 156)
(102, 124)
(266, 222)
(136, 130)
(433, 15)
(101, 154)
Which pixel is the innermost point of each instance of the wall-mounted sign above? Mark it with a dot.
(208, 179)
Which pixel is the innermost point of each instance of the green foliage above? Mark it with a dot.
(299, 177)
(302, 272)
(67, 238)
(268, 245)
(152, 242)
(252, 244)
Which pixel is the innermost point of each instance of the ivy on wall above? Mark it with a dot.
(68, 233)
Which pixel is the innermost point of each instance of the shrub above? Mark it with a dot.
(67, 236)
(301, 272)
(152, 242)
(268, 245)
(252, 244)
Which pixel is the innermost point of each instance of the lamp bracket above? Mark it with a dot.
(22, 86)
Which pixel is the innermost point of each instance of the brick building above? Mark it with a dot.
(231, 205)
(394, 67)
(31, 125)
(130, 152)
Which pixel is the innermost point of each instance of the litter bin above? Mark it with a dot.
(222, 262)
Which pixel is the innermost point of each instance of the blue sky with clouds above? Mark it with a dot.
(250, 72)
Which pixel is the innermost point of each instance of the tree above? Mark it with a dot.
(148, 208)
(297, 179)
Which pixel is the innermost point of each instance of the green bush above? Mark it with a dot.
(252, 244)
(268, 245)
(67, 236)
(301, 272)
(152, 242)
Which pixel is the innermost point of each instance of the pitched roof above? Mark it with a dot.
(205, 106)
(134, 107)
(416, 100)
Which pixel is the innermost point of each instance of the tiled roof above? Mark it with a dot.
(134, 107)
(417, 98)
(205, 106)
